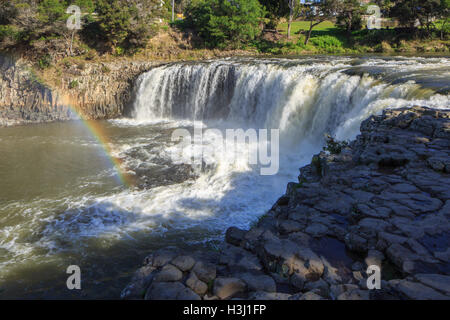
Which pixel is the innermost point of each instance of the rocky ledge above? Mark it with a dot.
(384, 200)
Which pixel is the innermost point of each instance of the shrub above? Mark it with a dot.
(333, 146)
(328, 43)
(45, 61)
(73, 84)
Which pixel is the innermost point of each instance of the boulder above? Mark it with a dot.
(226, 288)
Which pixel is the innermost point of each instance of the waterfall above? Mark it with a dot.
(304, 98)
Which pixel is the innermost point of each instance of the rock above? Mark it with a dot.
(374, 257)
(137, 287)
(160, 258)
(316, 230)
(355, 242)
(399, 255)
(235, 236)
(337, 290)
(165, 291)
(168, 273)
(321, 287)
(258, 282)
(188, 294)
(355, 294)
(261, 295)
(98, 95)
(311, 295)
(436, 281)
(184, 263)
(198, 286)
(418, 291)
(238, 258)
(330, 274)
(226, 288)
(290, 226)
(297, 280)
(357, 266)
(205, 271)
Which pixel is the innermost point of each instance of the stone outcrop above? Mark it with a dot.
(95, 90)
(382, 201)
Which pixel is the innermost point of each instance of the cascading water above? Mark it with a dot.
(86, 219)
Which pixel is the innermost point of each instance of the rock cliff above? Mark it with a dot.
(382, 201)
(94, 90)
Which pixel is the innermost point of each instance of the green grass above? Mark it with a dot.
(304, 25)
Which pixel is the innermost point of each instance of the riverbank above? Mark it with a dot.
(383, 200)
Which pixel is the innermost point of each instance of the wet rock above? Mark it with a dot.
(235, 236)
(160, 257)
(139, 283)
(225, 288)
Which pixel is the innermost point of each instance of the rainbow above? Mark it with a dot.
(98, 132)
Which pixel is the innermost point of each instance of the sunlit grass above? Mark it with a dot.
(304, 25)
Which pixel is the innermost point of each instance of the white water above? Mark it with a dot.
(303, 98)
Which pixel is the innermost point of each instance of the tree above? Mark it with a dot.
(275, 10)
(317, 13)
(292, 6)
(349, 16)
(412, 12)
(224, 23)
(444, 10)
(127, 23)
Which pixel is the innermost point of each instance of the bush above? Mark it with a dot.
(333, 146)
(45, 61)
(225, 23)
(327, 43)
(73, 84)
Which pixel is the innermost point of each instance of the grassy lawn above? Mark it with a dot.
(304, 25)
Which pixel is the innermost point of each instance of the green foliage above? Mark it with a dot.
(275, 10)
(349, 15)
(45, 62)
(333, 146)
(125, 24)
(50, 11)
(328, 43)
(73, 84)
(317, 165)
(223, 23)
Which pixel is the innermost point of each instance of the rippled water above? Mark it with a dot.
(62, 202)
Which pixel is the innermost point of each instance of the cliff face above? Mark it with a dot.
(383, 201)
(95, 90)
